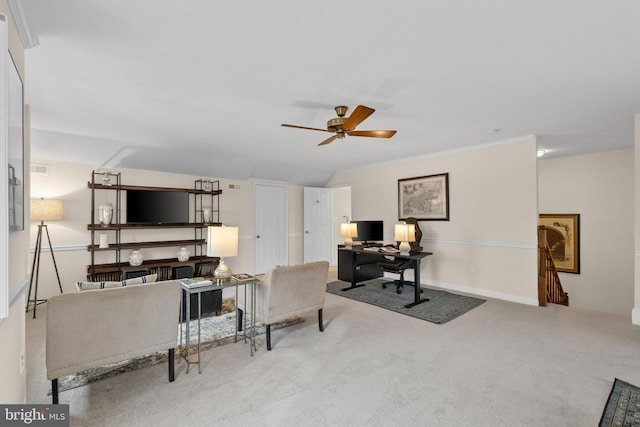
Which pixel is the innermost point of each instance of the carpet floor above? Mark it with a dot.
(441, 308)
(214, 332)
(623, 406)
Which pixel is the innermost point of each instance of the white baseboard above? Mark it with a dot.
(635, 316)
(483, 292)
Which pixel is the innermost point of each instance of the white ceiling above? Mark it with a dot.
(201, 87)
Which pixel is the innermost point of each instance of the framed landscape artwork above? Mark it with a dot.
(424, 198)
(563, 238)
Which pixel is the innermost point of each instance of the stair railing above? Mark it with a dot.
(549, 286)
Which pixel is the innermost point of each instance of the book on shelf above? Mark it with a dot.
(196, 282)
(243, 277)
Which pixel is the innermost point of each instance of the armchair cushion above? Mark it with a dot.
(289, 291)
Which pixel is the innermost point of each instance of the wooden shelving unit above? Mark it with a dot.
(206, 196)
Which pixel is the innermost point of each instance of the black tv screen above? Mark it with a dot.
(157, 207)
(370, 231)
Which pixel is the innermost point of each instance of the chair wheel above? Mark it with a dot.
(399, 291)
(384, 286)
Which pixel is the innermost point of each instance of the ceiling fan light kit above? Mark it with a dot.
(342, 125)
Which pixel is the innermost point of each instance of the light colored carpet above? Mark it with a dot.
(214, 332)
(501, 364)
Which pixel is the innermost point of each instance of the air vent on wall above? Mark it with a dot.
(39, 169)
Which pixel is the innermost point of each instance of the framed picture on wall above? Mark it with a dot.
(15, 174)
(424, 198)
(563, 238)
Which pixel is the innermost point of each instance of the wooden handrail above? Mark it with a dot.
(549, 286)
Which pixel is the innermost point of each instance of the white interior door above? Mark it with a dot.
(317, 224)
(270, 225)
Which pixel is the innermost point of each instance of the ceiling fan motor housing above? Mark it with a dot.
(335, 125)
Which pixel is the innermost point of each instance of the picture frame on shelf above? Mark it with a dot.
(563, 239)
(425, 198)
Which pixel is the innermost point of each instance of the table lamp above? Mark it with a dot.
(405, 233)
(43, 210)
(222, 242)
(348, 230)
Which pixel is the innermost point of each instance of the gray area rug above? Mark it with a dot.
(441, 307)
(214, 332)
(623, 406)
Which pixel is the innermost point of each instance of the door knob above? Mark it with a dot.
(258, 236)
(306, 231)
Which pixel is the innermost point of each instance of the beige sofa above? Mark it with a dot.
(286, 292)
(93, 328)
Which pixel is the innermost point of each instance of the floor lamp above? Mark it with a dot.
(42, 210)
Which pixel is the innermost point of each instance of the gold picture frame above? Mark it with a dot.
(425, 198)
(563, 238)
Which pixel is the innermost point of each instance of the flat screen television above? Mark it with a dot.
(157, 207)
(369, 232)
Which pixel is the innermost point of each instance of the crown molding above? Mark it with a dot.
(28, 36)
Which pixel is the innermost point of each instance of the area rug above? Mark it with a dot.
(441, 308)
(623, 406)
(214, 332)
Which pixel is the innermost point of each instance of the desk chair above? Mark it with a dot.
(399, 265)
(396, 266)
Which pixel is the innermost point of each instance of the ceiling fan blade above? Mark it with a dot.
(303, 127)
(373, 133)
(359, 114)
(328, 140)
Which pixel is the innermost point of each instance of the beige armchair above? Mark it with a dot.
(286, 292)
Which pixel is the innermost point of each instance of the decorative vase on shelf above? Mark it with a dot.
(135, 258)
(105, 214)
(183, 254)
(206, 216)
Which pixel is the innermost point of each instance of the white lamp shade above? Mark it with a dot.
(47, 210)
(349, 229)
(222, 241)
(405, 233)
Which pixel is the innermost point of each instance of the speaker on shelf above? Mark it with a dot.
(182, 272)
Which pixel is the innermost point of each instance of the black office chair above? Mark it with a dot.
(399, 265)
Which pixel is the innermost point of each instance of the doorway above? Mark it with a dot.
(270, 225)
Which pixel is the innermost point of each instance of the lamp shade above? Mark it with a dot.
(47, 210)
(222, 241)
(405, 233)
(349, 229)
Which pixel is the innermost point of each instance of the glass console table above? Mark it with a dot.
(248, 332)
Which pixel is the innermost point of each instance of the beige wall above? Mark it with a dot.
(12, 336)
(489, 245)
(599, 187)
(70, 237)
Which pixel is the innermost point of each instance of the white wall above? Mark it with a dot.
(599, 187)
(12, 328)
(489, 245)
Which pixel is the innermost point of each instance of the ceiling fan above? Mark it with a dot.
(342, 125)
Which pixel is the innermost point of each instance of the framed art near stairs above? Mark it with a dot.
(563, 238)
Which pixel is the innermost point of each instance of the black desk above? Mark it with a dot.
(357, 265)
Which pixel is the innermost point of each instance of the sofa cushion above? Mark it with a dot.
(85, 286)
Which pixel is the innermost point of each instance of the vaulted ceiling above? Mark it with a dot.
(202, 87)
